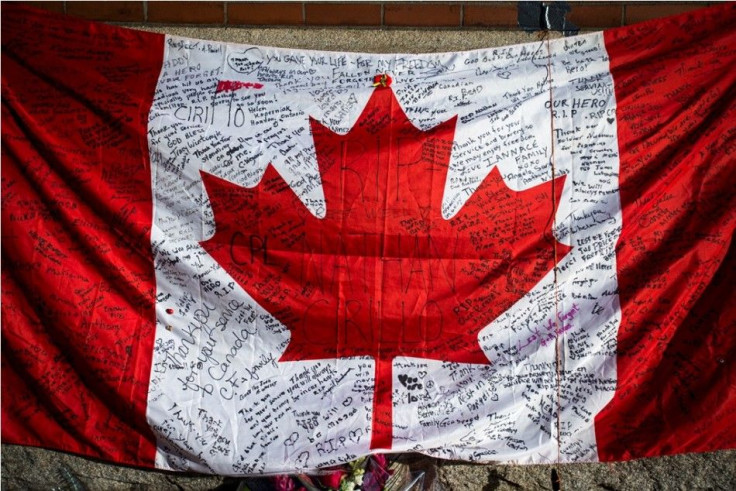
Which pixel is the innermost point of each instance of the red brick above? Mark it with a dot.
(111, 11)
(421, 15)
(187, 12)
(265, 13)
(640, 12)
(595, 15)
(491, 15)
(343, 14)
(51, 6)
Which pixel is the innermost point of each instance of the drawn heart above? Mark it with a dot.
(356, 435)
(611, 120)
(422, 374)
(403, 379)
(292, 439)
(303, 460)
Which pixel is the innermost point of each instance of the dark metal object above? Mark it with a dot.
(546, 16)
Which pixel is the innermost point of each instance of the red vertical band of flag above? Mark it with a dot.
(77, 274)
(675, 90)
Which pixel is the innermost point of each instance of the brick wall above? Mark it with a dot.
(449, 14)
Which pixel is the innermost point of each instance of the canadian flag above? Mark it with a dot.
(239, 259)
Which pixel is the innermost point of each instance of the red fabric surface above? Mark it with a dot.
(77, 274)
(675, 88)
(78, 286)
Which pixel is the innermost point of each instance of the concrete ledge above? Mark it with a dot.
(35, 468)
(357, 40)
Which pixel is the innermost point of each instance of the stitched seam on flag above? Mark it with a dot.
(554, 244)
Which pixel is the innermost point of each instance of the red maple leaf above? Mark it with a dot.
(383, 274)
